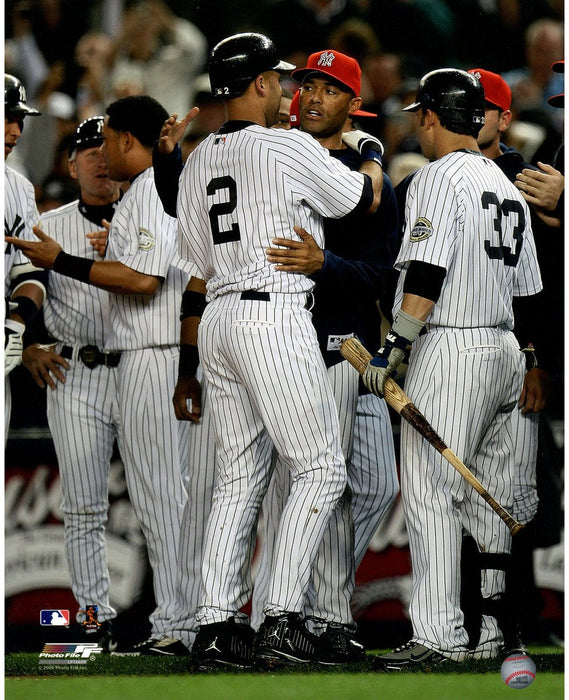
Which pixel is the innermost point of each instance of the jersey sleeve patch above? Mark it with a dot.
(146, 239)
(422, 229)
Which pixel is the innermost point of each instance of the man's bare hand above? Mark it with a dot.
(188, 388)
(98, 239)
(44, 365)
(41, 253)
(541, 188)
(173, 130)
(304, 256)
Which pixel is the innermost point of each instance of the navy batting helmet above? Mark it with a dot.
(15, 98)
(238, 60)
(456, 96)
(87, 135)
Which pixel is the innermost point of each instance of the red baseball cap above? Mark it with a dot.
(336, 65)
(496, 89)
(344, 69)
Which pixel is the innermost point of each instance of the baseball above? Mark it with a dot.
(518, 671)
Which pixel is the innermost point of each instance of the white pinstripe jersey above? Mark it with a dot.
(75, 313)
(20, 214)
(463, 214)
(144, 238)
(240, 189)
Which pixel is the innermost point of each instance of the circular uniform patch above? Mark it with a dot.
(422, 228)
(145, 239)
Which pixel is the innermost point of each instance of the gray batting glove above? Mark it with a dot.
(362, 142)
(380, 367)
(13, 346)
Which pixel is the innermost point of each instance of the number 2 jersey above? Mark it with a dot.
(247, 184)
(464, 215)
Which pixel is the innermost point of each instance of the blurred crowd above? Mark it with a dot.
(76, 56)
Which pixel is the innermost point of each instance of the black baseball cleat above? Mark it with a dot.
(168, 646)
(339, 646)
(138, 649)
(223, 645)
(410, 656)
(284, 640)
(102, 635)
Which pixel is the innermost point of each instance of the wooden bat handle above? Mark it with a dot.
(357, 355)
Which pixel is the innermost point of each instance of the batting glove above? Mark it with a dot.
(368, 146)
(13, 346)
(384, 364)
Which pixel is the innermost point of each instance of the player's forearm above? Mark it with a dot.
(416, 306)
(113, 276)
(375, 173)
(110, 275)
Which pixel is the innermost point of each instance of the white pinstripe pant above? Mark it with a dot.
(154, 448)
(367, 442)
(82, 415)
(525, 428)
(461, 380)
(268, 385)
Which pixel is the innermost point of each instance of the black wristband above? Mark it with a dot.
(193, 304)
(73, 266)
(189, 360)
(371, 152)
(26, 309)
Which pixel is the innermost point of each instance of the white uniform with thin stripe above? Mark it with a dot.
(464, 375)
(82, 413)
(153, 443)
(265, 373)
(20, 214)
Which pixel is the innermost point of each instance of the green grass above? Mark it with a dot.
(122, 678)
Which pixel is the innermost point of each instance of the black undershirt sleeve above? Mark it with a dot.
(424, 280)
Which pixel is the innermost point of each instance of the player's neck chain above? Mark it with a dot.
(97, 212)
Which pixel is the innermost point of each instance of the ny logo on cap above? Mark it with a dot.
(326, 59)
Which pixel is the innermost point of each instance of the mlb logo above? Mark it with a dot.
(54, 618)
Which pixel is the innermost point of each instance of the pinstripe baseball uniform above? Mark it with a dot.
(266, 378)
(153, 443)
(82, 412)
(20, 214)
(357, 268)
(465, 374)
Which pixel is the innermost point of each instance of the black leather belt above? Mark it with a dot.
(91, 356)
(254, 295)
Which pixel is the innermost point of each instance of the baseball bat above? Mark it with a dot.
(353, 351)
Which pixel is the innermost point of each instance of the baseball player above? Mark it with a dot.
(534, 395)
(372, 490)
(82, 403)
(147, 279)
(350, 275)
(467, 250)
(258, 348)
(24, 288)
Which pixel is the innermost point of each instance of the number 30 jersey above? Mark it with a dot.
(463, 214)
(244, 186)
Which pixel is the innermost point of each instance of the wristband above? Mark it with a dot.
(193, 304)
(189, 360)
(73, 266)
(370, 153)
(26, 309)
(406, 325)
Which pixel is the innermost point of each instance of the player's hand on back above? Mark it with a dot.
(303, 256)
